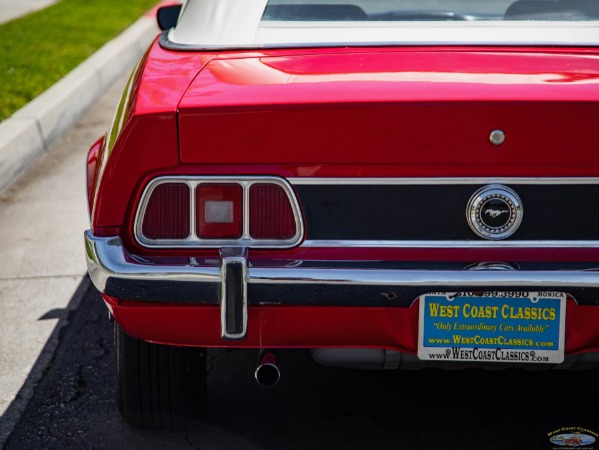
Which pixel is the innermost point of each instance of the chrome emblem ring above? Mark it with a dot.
(494, 212)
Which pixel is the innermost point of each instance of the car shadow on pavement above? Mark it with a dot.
(69, 401)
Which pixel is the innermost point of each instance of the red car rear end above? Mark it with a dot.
(386, 205)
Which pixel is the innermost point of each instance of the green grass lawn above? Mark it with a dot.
(39, 49)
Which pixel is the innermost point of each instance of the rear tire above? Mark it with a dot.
(158, 385)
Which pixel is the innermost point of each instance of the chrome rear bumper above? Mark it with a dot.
(117, 273)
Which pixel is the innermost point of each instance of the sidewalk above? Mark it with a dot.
(43, 210)
(30, 131)
(11, 9)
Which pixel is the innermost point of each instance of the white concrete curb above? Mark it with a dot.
(30, 131)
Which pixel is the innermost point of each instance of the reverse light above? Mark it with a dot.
(219, 208)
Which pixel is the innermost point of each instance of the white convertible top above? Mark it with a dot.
(227, 24)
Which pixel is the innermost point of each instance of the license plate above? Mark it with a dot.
(514, 327)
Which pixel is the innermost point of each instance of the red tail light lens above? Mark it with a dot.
(219, 210)
(271, 215)
(167, 213)
(92, 162)
(207, 211)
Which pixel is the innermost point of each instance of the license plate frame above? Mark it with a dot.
(492, 326)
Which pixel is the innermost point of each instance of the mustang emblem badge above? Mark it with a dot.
(494, 212)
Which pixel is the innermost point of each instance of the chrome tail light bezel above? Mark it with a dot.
(193, 240)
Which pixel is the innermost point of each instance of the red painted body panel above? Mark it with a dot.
(400, 74)
(146, 140)
(402, 107)
(286, 327)
(412, 112)
(473, 91)
(436, 142)
(150, 142)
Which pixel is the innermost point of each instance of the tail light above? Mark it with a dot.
(218, 211)
(167, 212)
(271, 216)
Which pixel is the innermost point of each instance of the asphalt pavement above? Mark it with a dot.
(43, 212)
(313, 407)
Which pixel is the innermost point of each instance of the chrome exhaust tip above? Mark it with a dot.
(267, 372)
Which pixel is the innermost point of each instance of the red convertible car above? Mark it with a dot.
(389, 184)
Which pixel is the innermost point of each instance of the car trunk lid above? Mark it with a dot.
(413, 106)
